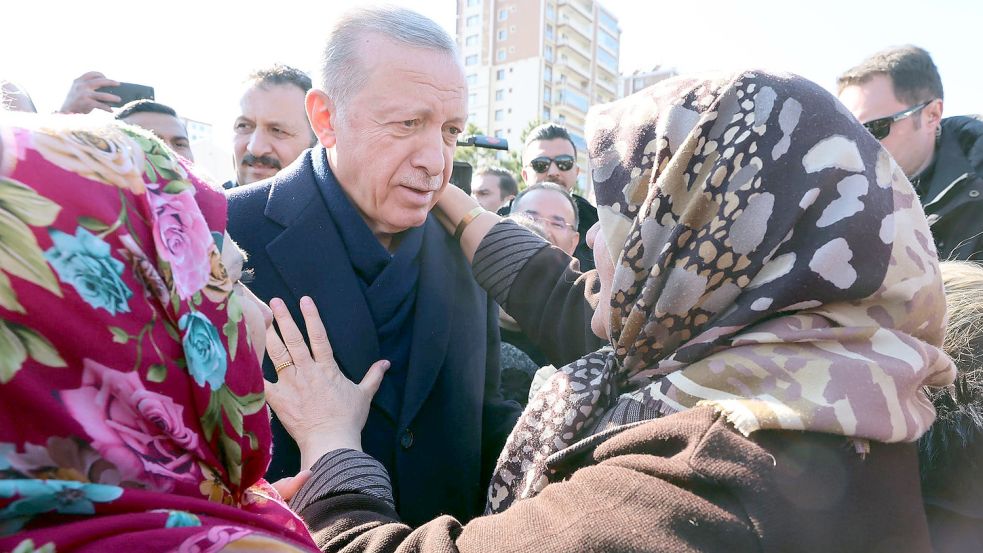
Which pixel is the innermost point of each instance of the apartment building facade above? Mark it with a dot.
(537, 60)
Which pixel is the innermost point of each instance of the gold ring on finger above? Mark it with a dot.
(282, 366)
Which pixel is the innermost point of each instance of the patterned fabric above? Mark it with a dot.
(131, 401)
(345, 471)
(770, 260)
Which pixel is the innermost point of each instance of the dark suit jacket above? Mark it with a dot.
(441, 440)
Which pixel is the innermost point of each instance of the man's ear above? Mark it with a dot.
(525, 175)
(323, 116)
(933, 113)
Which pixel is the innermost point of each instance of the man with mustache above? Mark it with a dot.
(349, 225)
(271, 130)
(550, 155)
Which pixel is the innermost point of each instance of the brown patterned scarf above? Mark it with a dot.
(771, 260)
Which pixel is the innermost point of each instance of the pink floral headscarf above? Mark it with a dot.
(132, 414)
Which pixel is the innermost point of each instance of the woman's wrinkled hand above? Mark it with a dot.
(317, 404)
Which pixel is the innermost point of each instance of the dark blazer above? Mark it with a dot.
(441, 440)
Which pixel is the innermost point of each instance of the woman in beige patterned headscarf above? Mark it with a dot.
(773, 303)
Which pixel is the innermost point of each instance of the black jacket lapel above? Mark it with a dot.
(432, 321)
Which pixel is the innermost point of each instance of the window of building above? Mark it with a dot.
(548, 74)
(499, 114)
(503, 15)
(547, 94)
(500, 55)
(471, 79)
(574, 99)
(471, 60)
(546, 114)
(607, 60)
(472, 40)
(550, 12)
(472, 99)
(608, 21)
(548, 53)
(499, 133)
(500, 75)
(549, 32)
(607, 40)
(473, 3)
(500, 94)
(472, 21)
(503, 34)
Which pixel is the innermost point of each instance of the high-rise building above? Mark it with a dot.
(530, 61)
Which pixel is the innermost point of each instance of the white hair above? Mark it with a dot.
(342, 74)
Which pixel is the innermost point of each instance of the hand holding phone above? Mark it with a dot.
(126, 93)
(84, 96)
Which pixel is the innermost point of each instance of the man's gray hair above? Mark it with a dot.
(342, 74)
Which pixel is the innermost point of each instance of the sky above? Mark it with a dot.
(196, 52)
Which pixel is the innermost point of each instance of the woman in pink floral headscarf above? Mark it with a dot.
(132, 414)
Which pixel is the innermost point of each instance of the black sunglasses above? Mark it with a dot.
(542, 164)
(881, 127)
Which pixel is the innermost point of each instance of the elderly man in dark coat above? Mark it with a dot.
(349, 225)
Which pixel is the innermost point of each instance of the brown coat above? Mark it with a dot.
(686, 482)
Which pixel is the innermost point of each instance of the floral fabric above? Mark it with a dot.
(132, 414)
(770, 260)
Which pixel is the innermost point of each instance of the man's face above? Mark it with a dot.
(168, 128)
(270, 132)
(911, 140)
(488, 191)
(392, 146)
(555, 213)
(550, 149)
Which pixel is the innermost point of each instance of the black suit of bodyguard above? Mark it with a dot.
(440, 426)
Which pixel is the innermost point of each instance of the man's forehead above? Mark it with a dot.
(272, 101)
(551, 147)
(547, 198)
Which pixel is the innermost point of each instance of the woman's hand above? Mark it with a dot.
(317, 404)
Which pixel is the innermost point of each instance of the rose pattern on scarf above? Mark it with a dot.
(85, 262)
(139, 431)
(144, 270)
(107, 156)
(182, 239)
(207, 358)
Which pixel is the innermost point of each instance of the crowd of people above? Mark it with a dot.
(764, 335)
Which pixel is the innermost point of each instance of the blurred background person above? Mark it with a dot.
(15, 98)
(271, 130)
(494, 188)
(161, 120)
(897, 95)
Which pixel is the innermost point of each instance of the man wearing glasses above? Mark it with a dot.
(551, 156)
(897, 95)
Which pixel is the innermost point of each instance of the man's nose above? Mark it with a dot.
(259, 143)
(430, 154)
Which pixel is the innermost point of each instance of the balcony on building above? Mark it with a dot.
(584, 8)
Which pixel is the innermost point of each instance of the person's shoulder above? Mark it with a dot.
(967, 132)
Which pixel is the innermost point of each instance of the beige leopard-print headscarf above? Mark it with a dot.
(771, 260)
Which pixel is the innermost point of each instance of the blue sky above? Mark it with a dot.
(195, 52)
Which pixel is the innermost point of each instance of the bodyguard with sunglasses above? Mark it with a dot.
(551, 156)
(897, 95)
